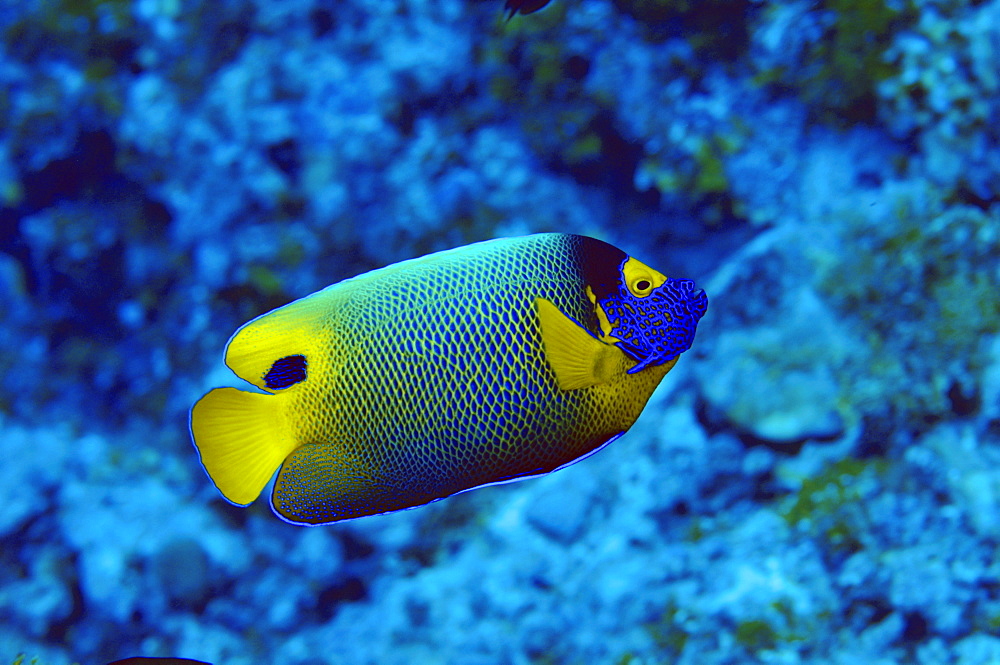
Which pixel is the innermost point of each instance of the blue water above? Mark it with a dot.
(815, 482)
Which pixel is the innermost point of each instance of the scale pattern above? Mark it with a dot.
(430, 379)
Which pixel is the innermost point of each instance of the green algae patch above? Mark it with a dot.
(716, 29)
(839, 73)
(667, 632)
(855, 53)
(756, 634)
(832, 504)
(919, 284)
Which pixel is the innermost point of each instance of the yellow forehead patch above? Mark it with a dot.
(639, 278)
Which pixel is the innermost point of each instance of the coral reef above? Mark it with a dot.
(816, 481)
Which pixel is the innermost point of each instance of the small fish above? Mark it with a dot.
(143, 660)
(523, 7)
(480, 365)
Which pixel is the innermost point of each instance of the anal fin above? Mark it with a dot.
(321, 483)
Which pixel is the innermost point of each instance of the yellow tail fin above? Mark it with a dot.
(242, 439)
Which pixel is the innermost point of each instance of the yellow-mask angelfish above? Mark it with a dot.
(480, 365)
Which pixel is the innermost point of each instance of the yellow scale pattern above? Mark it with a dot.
(429, 377)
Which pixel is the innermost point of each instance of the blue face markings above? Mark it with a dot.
(658, 327)
(286, 372)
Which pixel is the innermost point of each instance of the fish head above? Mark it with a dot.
(650, 317)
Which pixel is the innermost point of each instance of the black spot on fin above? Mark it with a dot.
(286, 372)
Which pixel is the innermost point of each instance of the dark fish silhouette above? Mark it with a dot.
(142, 660)
(523, 6)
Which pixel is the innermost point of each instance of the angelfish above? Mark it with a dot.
(484, 364)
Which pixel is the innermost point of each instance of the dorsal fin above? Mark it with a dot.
(578, 359)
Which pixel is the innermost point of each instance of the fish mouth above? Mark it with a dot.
(677, 306)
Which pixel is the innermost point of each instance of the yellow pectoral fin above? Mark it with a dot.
(577, 358)
(241, 440)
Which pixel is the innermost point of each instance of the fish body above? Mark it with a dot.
(480, 365)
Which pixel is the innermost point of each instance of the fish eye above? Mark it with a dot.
(638, 278)
(641, 287)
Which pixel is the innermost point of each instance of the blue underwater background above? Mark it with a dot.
(817, 481)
